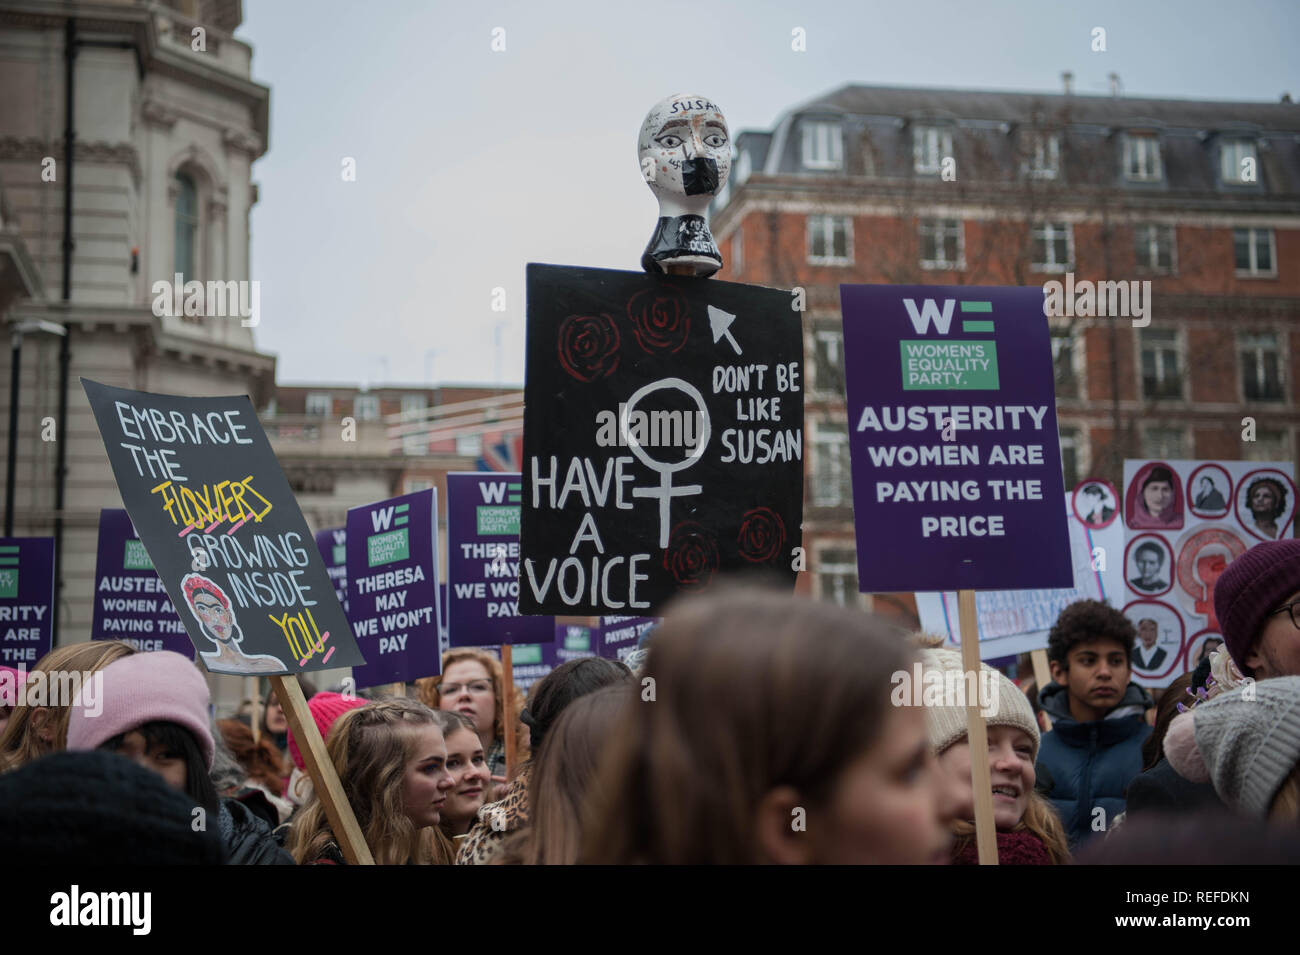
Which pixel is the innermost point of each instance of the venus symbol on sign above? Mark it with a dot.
(665, 491)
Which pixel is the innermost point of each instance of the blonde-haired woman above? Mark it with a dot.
(391, 758)
(1028, 830)
(35, 729)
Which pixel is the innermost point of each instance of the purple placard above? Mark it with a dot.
(532, 661)
(956, 462)
(333, 548)
(131, 602)
(392, 568)
(26, 596)
(618, 636)
(483, 563)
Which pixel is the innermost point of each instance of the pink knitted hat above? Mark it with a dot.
(141, 688)
(325, 709)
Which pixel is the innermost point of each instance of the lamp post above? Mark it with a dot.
(18, 330)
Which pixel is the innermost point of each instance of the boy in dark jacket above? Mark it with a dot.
(1098, 725)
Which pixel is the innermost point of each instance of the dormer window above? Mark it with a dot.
(1238, 162)
(1142, 157)
(744, 166)
(930, 146)
(823, 145)
(1043, 159)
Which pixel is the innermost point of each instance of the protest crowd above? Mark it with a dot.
(752, 727)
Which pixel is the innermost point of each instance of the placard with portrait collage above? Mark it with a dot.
(1185, 521)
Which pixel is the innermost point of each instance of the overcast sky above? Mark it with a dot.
(471, 163)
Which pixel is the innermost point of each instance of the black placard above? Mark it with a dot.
(213, 509)
(663, 438)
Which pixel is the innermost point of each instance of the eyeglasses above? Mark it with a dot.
(1294, 607)
(477, 687)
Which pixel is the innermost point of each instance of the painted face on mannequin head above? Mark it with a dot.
(685, 152)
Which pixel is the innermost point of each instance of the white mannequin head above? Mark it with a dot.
(685, 152)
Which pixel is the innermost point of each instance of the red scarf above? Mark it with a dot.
(1014, 848)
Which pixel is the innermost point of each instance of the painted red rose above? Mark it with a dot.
(762, 535)
(660, 320)
(692, 555)
(588, 346)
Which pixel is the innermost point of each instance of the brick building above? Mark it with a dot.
(342, 446)
(888, 185)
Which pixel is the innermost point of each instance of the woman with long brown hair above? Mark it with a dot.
(472, 683)
(762, 731)
(391, 759)
(563, 775)
(468, 768)
(37, 728)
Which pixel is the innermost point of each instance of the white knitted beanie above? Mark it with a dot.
(947, 724)
(1249, 747)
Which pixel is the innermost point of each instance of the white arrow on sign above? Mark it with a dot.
(720, 322)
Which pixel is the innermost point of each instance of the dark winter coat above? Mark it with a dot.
(1082, 766)
(1161, 789)
(248, 839)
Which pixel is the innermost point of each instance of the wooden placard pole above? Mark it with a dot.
(251, 688)
(976, 732)
(397, 690)
(329, 790)
(1042, 677)
(508, 704)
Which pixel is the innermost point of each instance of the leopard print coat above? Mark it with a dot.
(496, 821)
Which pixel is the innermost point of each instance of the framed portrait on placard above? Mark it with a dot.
(1265, 503)
(1209, 491)
(1154, 499)
(1160, 632)
(1149, 565)
(1095, 503)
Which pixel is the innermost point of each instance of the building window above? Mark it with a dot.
(1067, 382)
(1161, 375)
(823, 146)
(830, 240)
(1253, 250)
(737, 253)
(832, 478)
(1269, 445)
(1044, 159)
(931, 145)
(469, 445)
(1155, 248)
(828, 361)
(412, 405)
(1053, 247)
(320, 403)
(1142, 158)
(187, 225)
(942, 244)
(1238, 162)
(365, 407)
(1261, 378)
(1165, 443)
(837, 576)
(1070, 455)
(744, 166)
(411, 485)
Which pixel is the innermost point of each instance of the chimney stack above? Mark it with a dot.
(1114, 84)
(1067, 79)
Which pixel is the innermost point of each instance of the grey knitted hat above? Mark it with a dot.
(1246, 747)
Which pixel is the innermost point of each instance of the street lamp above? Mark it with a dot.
(18, 330)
